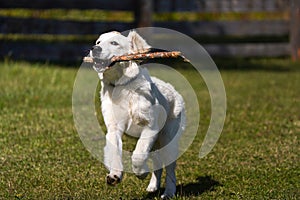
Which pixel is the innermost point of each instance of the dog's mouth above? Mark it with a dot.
(101, 65)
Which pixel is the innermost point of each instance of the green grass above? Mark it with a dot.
(42, 157)
(70, 14)
(225, 16)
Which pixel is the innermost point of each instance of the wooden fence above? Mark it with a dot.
(267, 37)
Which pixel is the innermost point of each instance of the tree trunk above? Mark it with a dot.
(143, 13)
(295, 29)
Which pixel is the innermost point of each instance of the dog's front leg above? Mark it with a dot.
(113, 156)
(141, 152)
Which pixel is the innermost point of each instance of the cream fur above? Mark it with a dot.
(142, 106)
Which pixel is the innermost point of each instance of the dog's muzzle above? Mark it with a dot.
(100, 65)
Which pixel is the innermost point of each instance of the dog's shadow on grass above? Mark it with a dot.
(201, 185)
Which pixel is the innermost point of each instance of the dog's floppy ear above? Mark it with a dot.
(138, 44)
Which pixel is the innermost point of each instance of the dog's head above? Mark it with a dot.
(113, 44)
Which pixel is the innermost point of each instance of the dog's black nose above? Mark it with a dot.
(96, 51)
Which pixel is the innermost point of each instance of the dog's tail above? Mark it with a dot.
(178, 104)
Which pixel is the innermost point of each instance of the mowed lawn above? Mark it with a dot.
(256, 157)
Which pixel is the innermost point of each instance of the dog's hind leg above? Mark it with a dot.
(169, 140)
(169, 157)
(156, 174)
(170, 181)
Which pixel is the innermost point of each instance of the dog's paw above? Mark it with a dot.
(152, 188)
(142, 176)
(141, 171)
(168, 193)
(166, 196)
(112, 180)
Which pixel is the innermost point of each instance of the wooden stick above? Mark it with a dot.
(88, 59)
(142, 56)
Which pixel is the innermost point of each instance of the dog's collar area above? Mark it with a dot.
(115, 84)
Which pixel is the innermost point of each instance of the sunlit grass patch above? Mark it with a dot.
(256, 157)
(70, 14)
(128, 16)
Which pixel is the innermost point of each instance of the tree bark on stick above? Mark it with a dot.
(141, 56)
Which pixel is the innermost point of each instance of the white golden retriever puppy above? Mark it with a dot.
(141, 106)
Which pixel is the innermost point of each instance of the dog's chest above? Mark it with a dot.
(128, 108)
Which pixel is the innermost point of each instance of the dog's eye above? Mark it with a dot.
(114, 43)
(98, 42)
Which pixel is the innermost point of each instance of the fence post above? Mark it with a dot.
(143, 13)
(295, 29)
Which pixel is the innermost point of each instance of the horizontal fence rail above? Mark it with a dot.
(70, 52)
(220, 5)
(249, 50)
(46, 26)
(159, 5)
(65, 52)
(233, 28)
(69, 4)
(212, 28)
